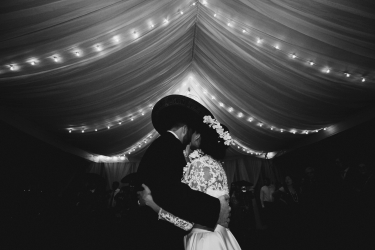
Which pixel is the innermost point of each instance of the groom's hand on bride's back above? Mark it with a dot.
(224, 211)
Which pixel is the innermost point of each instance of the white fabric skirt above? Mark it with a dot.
(201, 239)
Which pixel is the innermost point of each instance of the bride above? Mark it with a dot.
(203, 173)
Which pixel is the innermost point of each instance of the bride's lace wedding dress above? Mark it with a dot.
(207, 175)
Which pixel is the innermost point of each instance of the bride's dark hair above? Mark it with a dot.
(211, 143)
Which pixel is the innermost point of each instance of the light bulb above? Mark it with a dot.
(363, 79)
(228, 24)
(83, 131)
(143, 113)
(221, 104)
(230, 109)
(181, 12)
(243, 31)
(311, 63)
(259, 41)
(294, 56)
(152, 26)
(215, 15)
(77, 53)
(11, 67)
(250, 119)
(70, 131)
(277, 47)
(194, 3)
(96, 129)
(32, 62)
(347, 74)
(281, 130)
(108, 127)
(240, 114)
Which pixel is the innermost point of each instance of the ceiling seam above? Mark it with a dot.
(194, 35)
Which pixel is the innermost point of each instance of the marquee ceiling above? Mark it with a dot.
(277, 73)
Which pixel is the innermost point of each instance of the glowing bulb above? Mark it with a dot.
(83, 131)
(96, 129)
(139, 146)
(116, 39)
(294, 56)
(347, 74)
(293, 131)
(328, 70)
(215, 15)
(98, 48)
(119, 123)
(228, 24)
(108, 127)
(213, 97)
(181, 12)
(325, 128)
(243, 31)
(132, 119)
(77, 53)
(260, 124)
(281, 130)
(363, 79)
(55, 58)
(143, 113)
(205, 91)
(221, 104)
(250, 119)
(165, 20)
(194, 3)
(271, 128)
(152, 26)
(277, 47)
(11, 67)
(230, 109)
(259, 41)
(32, 62)
(311, 63)
(240, 114)
(70, 131)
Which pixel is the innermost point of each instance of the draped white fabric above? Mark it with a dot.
(82, 65)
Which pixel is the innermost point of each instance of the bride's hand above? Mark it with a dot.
(145, 197)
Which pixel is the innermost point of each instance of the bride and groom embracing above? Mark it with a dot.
(184, 184)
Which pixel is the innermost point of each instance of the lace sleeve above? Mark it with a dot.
(200, 176)
(183, 224)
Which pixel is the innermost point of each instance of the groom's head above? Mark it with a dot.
(184, 131)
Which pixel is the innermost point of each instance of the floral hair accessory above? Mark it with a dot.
(213, 123)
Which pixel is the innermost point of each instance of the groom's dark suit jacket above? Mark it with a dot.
(161, 170)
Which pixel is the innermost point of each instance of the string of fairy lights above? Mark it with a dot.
(251, 119)
(232, 24)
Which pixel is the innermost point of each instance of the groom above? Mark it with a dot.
(161, 167)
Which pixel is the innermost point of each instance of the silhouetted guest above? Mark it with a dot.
(115, 189)
(289, 196)
(267, 201)
(362, 178)
(242, 220)
(314, 198)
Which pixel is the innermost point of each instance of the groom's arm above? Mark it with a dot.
(164, 172)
